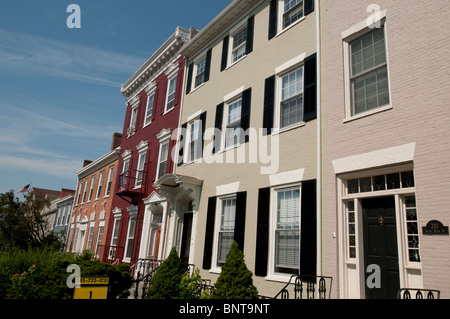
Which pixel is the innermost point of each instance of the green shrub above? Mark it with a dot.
(41, 274)
(235, 280)
(165, 283)
(190, 286)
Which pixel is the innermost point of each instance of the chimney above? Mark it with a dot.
(86, 163)
(117, 138)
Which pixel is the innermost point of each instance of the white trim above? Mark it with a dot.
(290, 64)
(231, 188)
(388, 156)
(286, 177)
(232, 95)
(194, 116)
(356, 30)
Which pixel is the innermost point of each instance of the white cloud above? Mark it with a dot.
(64, 168)
(31, 54)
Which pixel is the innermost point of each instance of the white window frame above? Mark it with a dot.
(85, 190)
(195, 73)
(281, 71)
(272, 273)
(164, 139)
(101, 228)
(117, 213)
(80, 187)
(215, 266)
(100, 184)
(133, 118)
(91, 189)
(109, 181)
(242, 27)
(172, 77)
(150, 97)
(230, 99)
(348, 36)
(188, 158)
(281, 15)
(142, 158)
(131, 232)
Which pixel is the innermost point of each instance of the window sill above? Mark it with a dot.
(197, 87)
(235, 62)
(291, 26)
(276, 131)
(215, 270)
(167, 111)
(223, 150)
(278, 278)
(145, 125)
(368, 113)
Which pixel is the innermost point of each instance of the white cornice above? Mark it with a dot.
(99, 163)
(158, 61)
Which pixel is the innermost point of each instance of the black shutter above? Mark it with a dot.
(209, 234)
(310, 88)
(245, 114)
(218, 128)
(269, 104)
(273, 12)
(207, 65)
(309, 6)
(262, 235)
(223, 66)
(201, 144)
(182, 144)
(250, 28)
(308, 231)
(239, 222)
(189, 79)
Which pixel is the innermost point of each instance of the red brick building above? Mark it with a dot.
(153, 101)
(92, 202)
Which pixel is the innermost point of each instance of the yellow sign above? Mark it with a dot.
(92, 280)
(90, 287)
(94, 292)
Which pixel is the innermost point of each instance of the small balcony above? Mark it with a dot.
(131, 185)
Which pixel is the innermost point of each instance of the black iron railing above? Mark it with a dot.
(306, 287)
(416, 293)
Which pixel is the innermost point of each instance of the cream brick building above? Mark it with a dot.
(252, 68)
(384, 96)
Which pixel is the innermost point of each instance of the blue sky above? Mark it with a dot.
(60, 99)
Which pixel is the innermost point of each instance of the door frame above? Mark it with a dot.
(351, 270)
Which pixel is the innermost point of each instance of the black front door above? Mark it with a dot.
(186, 238)
(380, 246)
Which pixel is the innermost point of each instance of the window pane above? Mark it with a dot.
(287, 251)
(225, 241)
(239, 40)
(368, 51)
(293, 10)
(292, 84)
(371, 90)
(292, 112)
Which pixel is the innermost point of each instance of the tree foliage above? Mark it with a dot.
(235, 280)
(21, 222)
(165, 283)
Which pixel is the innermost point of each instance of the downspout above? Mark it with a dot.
(319, 142)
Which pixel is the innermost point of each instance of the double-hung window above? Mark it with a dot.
(226, 228)
(233, 125)
(149, 110)
(100, 183)
(140, 169)
(132, 127)
(172, 86)
(287, 231)
(85, 190)
(162, 163)
(369, 72)
(109, 183)
(200, 72)
(130, 235)
(195, 136)
(292, 11)
(291, 104)
(238, 49)
(91, 190)
(79, 193)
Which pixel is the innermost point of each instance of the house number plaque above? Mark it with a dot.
(435, 227)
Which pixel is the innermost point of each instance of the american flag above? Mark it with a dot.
(24, 189)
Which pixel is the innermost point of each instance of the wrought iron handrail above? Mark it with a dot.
(316, 286)
(405, 293)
